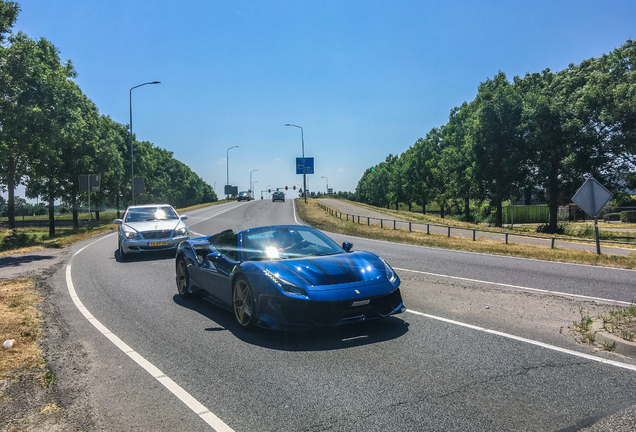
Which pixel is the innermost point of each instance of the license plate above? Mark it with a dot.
(360, 303)
(161, 243)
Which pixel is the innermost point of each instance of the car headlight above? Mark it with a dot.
(289, 288)
(130, 234)
(181, 231)
(390, 273)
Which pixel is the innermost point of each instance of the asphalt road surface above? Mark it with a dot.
(485, 345)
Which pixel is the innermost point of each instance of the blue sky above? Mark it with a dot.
(363, 78)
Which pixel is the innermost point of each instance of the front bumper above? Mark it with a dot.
(146, 245)
(285, 313)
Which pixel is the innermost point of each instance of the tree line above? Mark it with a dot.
(544, 133)
(51, 133)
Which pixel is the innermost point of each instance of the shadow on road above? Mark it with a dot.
(144, 256)
(15, 261)
(320, 339)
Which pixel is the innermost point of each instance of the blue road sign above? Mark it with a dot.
(309, 165)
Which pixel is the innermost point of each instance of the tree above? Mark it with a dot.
(458, 155)
(418, 172)
(27, 78)
(501, 160)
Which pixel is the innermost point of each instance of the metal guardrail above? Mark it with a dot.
(336, 213)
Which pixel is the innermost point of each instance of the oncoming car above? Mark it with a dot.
(150, 228)
(287, 277)
(244, 195)
(278, 196)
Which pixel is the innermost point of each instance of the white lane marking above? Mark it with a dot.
(529, 341)
(604, 300)
(218, 213)
(294, 211)
(489, 254)
(199, 409)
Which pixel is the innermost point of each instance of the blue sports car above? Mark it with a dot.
(287, 276)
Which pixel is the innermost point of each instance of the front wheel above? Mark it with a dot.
(244, 304)
(183, 279)
(122, 255)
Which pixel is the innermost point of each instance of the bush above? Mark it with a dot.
(546, 229)
(628, 216)
(16, 240)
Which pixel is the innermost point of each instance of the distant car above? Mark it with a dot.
(153, 227)
(286, 277)
(278, 196)
(244, 196)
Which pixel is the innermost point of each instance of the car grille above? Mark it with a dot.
(156, 234)
(335, 313)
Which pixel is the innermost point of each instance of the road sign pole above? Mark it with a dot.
(598, 242)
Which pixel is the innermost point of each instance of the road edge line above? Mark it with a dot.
(197, 407)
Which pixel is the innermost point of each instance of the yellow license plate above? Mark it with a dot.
(161, 243)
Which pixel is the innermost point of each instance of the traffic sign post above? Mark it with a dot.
(591, 198)
(89, 183)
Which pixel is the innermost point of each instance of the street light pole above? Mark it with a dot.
(327, 182)
(227, 159)
(251, 188)
(132, 170)
(302, 137)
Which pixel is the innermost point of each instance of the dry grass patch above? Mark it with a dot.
(315, 216)
(19, 320)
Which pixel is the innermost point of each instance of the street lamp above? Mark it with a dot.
(253, 192)
(132, 170)
(251, 189)
(302, 137)
(228, 168)
(327, 182)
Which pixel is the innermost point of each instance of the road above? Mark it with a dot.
(482, 346)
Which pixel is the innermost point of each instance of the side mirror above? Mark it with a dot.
(118, 221)
(215, 257)
(347, 246)
(184, 217)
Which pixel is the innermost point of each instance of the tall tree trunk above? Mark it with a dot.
(498, 213)
(75, 212)
(51, 218)
(467, 217)
(11, 188)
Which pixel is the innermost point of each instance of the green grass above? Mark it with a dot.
(317, 217)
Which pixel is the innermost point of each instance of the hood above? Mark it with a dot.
(324, 273)
(154, 225)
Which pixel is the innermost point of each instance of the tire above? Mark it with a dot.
(122, 255)
(243, 303)
(183, 279)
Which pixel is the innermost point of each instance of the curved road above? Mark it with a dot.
(482, 347)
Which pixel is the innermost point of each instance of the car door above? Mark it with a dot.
(220, 267)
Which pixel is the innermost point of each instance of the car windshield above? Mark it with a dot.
(144, 214)
(283, 242)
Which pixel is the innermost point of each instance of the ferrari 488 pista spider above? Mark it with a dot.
(287, 276)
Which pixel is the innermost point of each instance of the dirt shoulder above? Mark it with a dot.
(52, 395)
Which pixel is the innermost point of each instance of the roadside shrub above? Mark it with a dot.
(16, 240)
(628, 216)
(546, 229)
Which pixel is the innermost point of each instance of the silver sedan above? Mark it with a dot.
(152, 227)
